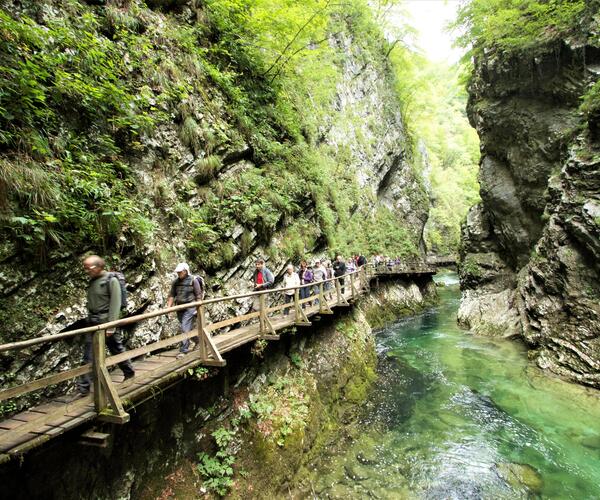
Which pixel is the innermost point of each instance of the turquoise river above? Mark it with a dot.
(455, 416)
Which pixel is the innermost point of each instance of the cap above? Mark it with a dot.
(182, 267)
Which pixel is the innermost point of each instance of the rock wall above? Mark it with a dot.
(279, 404)
(46, 300)
(529, 257)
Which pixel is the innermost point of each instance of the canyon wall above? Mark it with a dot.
(530, 250)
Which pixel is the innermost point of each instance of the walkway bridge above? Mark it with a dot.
(158, 366)
(442, 260)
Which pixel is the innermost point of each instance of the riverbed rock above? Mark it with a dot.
(521, 476)
(592, 442)
(367, 457)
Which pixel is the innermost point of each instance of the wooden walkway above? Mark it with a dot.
(158, 365)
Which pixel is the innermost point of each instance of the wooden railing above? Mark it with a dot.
(268, 307)
(106, 400)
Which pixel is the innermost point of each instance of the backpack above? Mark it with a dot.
(122, 282)
(201, 282)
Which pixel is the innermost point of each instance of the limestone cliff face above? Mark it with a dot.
(530, 249)
(38, 302)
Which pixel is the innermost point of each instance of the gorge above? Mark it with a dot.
(218, 132)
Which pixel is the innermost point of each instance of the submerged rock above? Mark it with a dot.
(521, 476)
(367, 457)
(592, 442)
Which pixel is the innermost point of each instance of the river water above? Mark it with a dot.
(459, 416)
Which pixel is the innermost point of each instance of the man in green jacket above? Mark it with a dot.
(104, 305)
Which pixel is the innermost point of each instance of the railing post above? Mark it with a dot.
(107, 403)
(263, 315)
(352, 289)
(98, 357)
(201, 332)
(296, 303)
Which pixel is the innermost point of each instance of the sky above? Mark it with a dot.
(429, 17)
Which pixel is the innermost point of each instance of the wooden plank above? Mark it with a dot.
(118, 416)
(10, 424)
(48, 407)
(28, 416)
(48, 430)
(16, 440)
(237, 342)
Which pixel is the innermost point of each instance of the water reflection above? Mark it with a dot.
(458, 416)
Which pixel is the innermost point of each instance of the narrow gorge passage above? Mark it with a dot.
(460, 416)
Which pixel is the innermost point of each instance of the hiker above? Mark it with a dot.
(350, 266)
(305, 278)
(263, 277)
(184, 290)
(319, 274)
(290, 278)
(361, 261)
(339, 269)
(103, 305)
(328, 275)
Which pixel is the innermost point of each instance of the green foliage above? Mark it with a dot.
(217, 470)
(258, 348)
(281, 408)
(435, 103)
(470, 267)
(61, 182)
(7, 408)
(296, 360)
(515, 25)
(590, 104)
(199, 372)
(83, 90)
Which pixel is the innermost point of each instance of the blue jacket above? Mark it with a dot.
(267, 278)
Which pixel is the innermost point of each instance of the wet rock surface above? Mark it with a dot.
(530, 251)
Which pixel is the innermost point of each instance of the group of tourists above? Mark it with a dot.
(106, 297)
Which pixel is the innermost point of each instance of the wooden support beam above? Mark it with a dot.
(118, 415)
(208, 352)
(106, 397)
(340, 296)
(301, 318)
(323, 304)
(94, 438)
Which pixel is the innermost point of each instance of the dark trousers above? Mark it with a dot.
(342, 289)
(288, 299)
(115, 346)
(304, 294)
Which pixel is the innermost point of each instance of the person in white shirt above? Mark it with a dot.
(290, 278)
